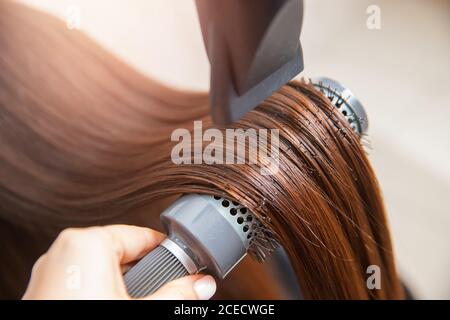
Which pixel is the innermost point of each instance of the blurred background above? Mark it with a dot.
(398, 65)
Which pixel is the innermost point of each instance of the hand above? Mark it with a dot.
(89, 264)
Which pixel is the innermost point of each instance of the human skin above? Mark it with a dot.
(88, 263)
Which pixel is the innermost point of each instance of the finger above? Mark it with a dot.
(131, 242)
(195, 287)
(127, 266)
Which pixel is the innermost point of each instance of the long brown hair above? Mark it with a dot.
(86, 139)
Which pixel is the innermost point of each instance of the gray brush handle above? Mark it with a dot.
(153, 271)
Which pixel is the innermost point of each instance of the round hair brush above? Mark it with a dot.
(213, 234)
(205, 233)
(346, 102)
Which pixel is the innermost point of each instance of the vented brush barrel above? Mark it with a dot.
(204, 233)
(345, 101)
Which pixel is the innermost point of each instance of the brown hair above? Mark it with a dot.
(85, 139)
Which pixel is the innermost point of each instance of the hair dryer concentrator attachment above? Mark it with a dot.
(205, 233)
(253, 47)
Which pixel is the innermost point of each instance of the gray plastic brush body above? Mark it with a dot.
(205, 233)
(156, 268)
(345, 101)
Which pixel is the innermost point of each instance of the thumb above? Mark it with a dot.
(194, 287)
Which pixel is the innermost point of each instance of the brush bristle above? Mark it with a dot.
(261, 241)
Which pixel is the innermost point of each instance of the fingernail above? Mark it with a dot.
(205, 287)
